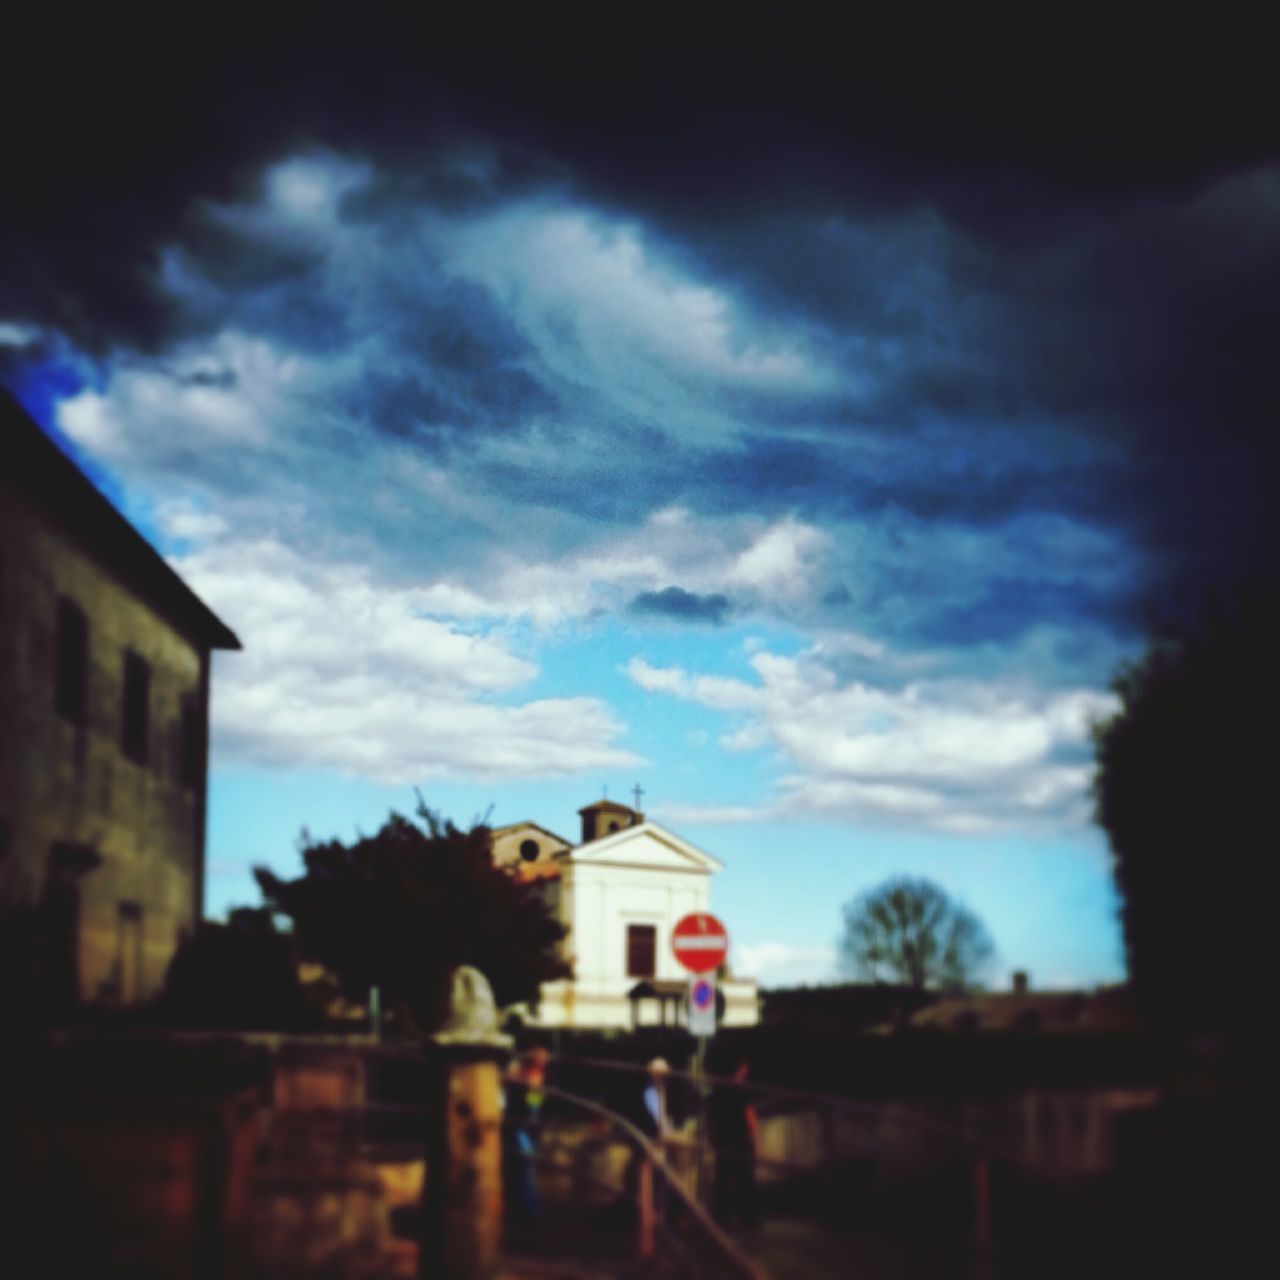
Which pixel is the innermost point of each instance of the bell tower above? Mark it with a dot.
(605, 817)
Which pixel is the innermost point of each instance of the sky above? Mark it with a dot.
(800, 424)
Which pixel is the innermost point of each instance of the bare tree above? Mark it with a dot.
(912, 932)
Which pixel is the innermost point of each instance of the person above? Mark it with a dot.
(731, 1126)
(649, 1114)
(523, 1097)
(657, 1114)
(658, 1126)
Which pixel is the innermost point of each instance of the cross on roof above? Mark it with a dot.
(638, 792)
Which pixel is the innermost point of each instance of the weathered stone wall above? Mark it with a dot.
(1057, 1131)
(198, 1158)
(506, 846)
(72, 783)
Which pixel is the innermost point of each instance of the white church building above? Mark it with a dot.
(620, 892)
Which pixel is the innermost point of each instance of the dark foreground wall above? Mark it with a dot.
(202, 1158)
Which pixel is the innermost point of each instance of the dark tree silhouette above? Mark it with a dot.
(402, 908)
(911, 931)
(1184, 790)
(240, 975)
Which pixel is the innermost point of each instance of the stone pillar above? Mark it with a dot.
(462, 1195)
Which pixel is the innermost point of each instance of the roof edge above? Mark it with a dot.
(45, 472)
(678, 843)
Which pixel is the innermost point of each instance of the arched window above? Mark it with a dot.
(529, 850)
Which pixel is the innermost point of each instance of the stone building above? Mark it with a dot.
(620, 891)
(104, 708)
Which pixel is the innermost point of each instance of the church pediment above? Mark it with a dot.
(649, 846)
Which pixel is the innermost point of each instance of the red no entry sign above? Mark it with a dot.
(700, 942)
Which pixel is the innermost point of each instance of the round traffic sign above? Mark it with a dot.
(700, 942)
(702, 991)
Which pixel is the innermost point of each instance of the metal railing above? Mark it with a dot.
(329, 1152)
(982, 1192)
(329, 1169)
(669, 1224)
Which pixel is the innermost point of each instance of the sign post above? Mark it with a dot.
(701, 944)
(702, 1005)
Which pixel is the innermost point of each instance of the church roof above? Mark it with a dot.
(527, 826)
(612, 848)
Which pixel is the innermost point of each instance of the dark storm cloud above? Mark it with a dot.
(677, 604)
(472, 367)
(972, 473)
(614, 481)
(1074, 261)
(1001, 611)
(466, 177)
(222, 379)
(1120, 373)
(410, 406)
(131, 119)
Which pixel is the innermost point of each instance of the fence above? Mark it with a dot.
(323, 1171)
(898, 1169)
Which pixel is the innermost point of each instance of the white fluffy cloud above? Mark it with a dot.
(267, 436)
(232, 393)
(955, 754)
(340, 672)
(369, 519)
(692, 814)
(772, 565)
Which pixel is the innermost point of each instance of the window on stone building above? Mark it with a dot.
(137, 705)
(56, 946)
(71, 661)
(129, 952)
(529, 850)
(642, 948)
(191, 744)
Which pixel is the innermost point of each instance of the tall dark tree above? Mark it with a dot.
(1184, 790)
(912, 932)
(401, 909)
(240, 975)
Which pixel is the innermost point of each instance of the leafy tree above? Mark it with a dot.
(913, 932)
(402, 908)
(240, 975)
(1183, 788)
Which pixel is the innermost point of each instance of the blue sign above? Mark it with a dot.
(702, 1005)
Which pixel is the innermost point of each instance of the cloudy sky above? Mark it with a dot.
(796, 422)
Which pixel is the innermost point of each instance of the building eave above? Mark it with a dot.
(37, 469)
(496, 832)
(611, 843)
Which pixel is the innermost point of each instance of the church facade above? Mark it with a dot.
(620, 891)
